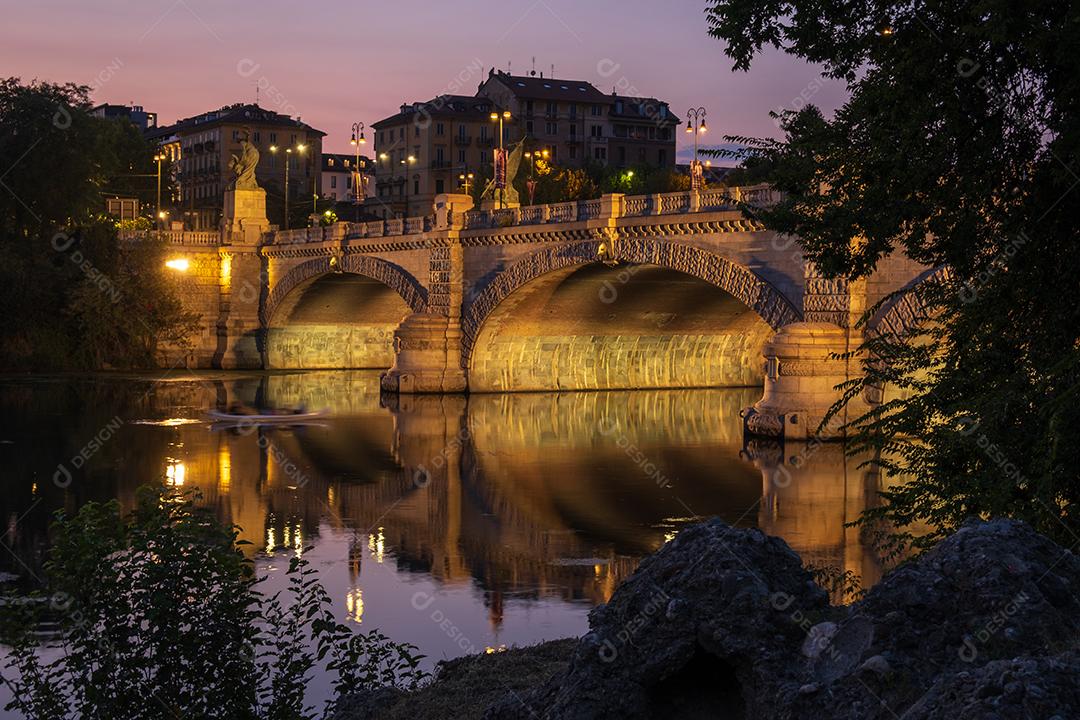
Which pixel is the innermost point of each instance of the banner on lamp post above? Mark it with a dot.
(697, 175)
(500, 168)
(531, 184)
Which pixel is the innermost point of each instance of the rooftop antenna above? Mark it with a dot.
(533, 72)
(552, 71)
(509, 65)
(256, 93)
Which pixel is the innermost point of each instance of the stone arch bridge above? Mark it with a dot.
(657, 291)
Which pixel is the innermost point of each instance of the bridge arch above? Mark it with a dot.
(683, 280)
(337, 314)
(905, 310)
(393, 276)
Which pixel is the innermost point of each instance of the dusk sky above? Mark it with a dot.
(336, 63)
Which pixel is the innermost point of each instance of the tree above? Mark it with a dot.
(958, 145)
(73, 296)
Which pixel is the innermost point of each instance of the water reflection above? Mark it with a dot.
(507, 515)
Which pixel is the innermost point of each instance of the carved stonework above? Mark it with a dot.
(439, 285)
(763, 424)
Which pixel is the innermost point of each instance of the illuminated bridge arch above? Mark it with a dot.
(669, 316)
(393, 276)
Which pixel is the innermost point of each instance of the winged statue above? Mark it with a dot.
(244, 164)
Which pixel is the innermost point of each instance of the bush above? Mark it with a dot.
(160, 615)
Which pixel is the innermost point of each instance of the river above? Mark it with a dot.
(453, 523)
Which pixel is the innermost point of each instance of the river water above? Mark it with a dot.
(453, 523)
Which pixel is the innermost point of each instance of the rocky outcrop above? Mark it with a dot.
(726, 623)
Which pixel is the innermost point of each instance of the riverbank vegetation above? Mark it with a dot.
(959, 145)
(157, 613)
(73, 296)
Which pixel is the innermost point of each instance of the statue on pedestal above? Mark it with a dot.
(244, 164)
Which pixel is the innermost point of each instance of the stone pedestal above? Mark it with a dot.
(450, 209)
(427, 350)
(800, 383)
(244, 219)
(494, 204)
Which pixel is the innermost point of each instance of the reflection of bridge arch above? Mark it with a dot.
(673, 316)
(393, 276)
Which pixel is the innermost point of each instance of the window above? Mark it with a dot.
(461, 131)
(330, 162)
(551, 128)
(401, 133)
(529, 126)
(416, 130)
(552, 109)
(483, 132)
(415, 187)
(600, 153)
(621, 154)
(273, 138)
(573, 111)
(528, 107)
(333, 181)
(439, 185)
(641, 155)
(439, 155)
(235, 135)
(596, 111)
(596, 131)
(619, 106)
(661, 157)
(461, 156)
(438, 128)
(255, 136)
(573, 152)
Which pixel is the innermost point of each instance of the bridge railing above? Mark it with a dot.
(629, 206)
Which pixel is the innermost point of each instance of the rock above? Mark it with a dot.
(727, 623)
(745, 604)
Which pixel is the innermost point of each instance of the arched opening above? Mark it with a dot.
(600, 327)
(339, 321)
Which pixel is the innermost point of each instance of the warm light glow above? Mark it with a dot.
(161, 215)
(226, 270)
(630, 173)
(270, 542)
(273, 148)
(383, 156)
(301, 147)
(224, 468)
(354, 605)
(377, 546)
(494, 116)
(506, 114)
(175, 473)
(180, 264)
(689, 127)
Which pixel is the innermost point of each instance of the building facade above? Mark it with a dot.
(339, 173)
(139, 118)
(426, 147)
(203, 145)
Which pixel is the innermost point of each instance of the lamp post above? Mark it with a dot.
(407, 162)
(466, 182)
(300, 148)
(356, 141)
(158, 158)
(500, 117)
(532, 170)
(695, 124)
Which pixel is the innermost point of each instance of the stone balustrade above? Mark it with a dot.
(628, 206)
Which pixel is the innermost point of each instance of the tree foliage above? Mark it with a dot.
(159, 615)
(958, 146)
(74, 297)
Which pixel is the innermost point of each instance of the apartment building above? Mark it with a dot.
(424, 149)
(201, 147)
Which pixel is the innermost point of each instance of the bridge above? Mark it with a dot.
(674, 290)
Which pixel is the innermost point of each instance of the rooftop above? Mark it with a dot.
(460, 106)
(534, 87)
(238, 114)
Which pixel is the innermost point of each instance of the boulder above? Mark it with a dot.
(726, 623)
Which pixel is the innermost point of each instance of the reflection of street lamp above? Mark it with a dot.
(288, 152)
(158, 158)
(695, 123)
(356, 141)
(500, 117)
(411, 160)
(466, 181)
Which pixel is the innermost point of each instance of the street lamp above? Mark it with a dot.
(158, 158)
(695, 124)
(531, 184)
(407, 162)
(356, 141)
(300, 148)
(466, 181)
(500, 117)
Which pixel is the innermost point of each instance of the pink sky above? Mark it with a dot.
(335, 63)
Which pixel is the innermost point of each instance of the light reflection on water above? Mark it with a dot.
(453, 523)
